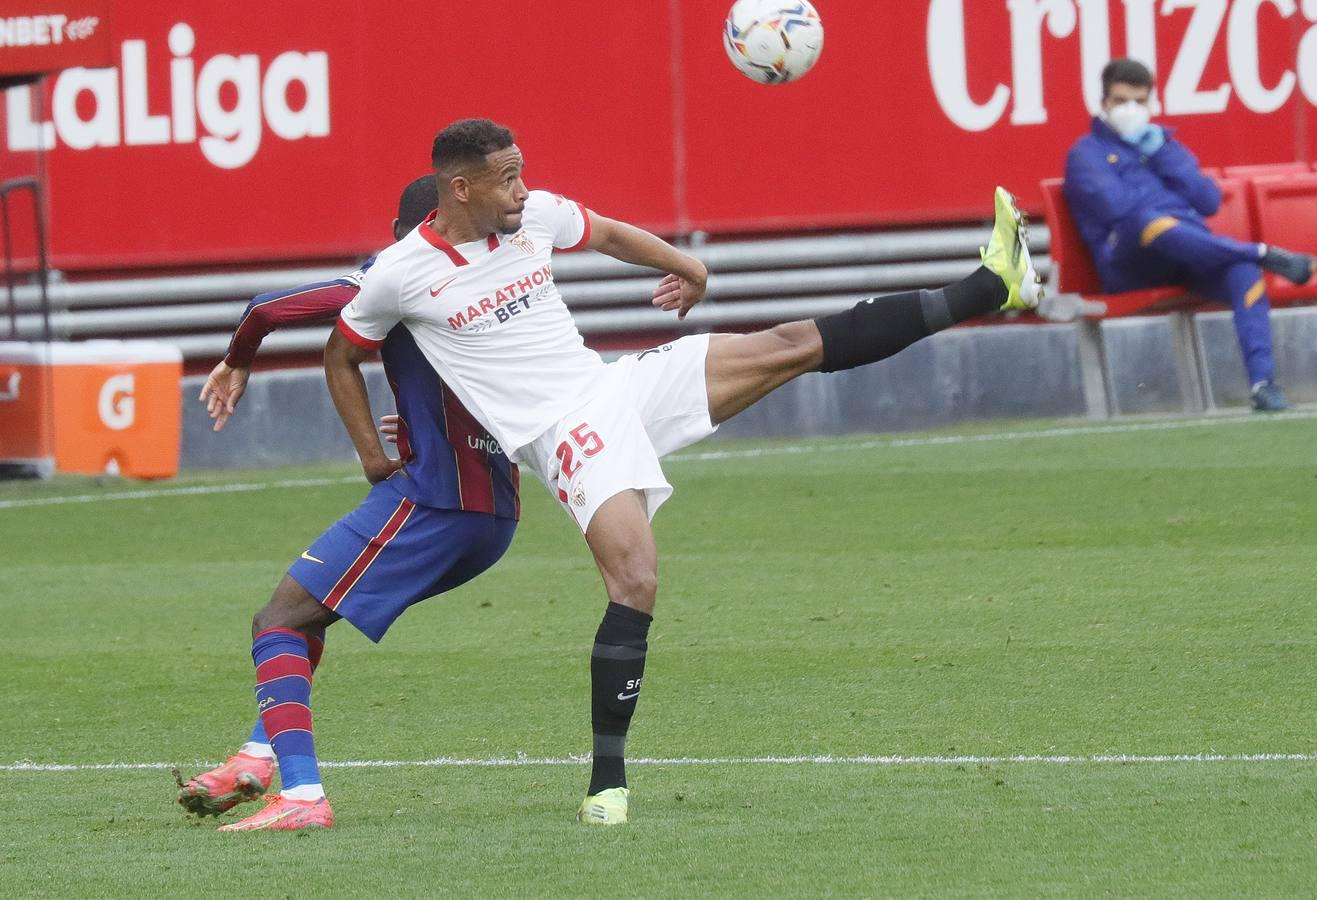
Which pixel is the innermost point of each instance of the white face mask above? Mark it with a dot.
(1128, 117)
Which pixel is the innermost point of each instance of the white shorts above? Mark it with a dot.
(650, 404)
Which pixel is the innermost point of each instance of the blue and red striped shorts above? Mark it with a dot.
(389, 553)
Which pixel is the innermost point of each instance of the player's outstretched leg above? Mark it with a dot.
(883, 326)
(247, 774)
(281, 651)
(741, 369)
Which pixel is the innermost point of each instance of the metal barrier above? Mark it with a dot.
(41, 291)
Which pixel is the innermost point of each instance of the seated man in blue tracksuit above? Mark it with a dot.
(1140, 199)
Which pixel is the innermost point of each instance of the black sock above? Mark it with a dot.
(884, 326)
(616, 667)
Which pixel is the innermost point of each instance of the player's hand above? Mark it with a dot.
(676, 292)
(223, 389)
(389, 428)
(379, 469)
(1149, 139)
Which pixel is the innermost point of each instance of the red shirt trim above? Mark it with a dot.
(492, 242)
(585, 235)
(363, 342)
(433, 238)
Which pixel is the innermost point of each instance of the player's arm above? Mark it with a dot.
(1178, 169)
(343, 360)
(361, 329)
(688, 278)
(268, 312)
(1093, 189)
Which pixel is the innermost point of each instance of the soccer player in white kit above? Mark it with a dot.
(474, 286)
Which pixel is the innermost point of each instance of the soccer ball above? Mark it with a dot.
(773, 42)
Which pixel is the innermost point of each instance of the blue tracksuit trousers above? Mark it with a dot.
(1154, 249)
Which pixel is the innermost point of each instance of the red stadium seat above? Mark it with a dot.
(1266, 170)
(1286, 207)
(1075, 273)
(1234, 218)
(1263, 170)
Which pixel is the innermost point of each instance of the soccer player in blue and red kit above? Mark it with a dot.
(435, 518)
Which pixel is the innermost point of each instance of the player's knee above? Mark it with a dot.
(798, 346)
(266, 617)
(272, 615)
(636, 586)
(292, 607)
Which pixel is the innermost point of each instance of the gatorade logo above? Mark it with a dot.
(116, 406)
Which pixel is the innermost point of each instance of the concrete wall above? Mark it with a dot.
(1001, 371)
(1144, 375)
(286, 416)
(1294, 336)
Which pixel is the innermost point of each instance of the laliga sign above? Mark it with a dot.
(1183, 91)
(232, 136)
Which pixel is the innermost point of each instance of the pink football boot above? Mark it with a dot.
(240, 779)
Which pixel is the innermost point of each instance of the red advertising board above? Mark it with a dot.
(248, 131)
(49, 35)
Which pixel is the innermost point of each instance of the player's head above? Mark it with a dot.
(417, 201)
(478, 166)
(1125, 81)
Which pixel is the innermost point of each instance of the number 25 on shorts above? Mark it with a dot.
(589, 443)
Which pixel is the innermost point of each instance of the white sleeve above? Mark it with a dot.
(371, 315)
(566, 219)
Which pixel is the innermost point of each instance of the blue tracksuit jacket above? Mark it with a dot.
(1112, 188)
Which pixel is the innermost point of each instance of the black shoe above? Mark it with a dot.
(1268, 397)
(1294, 267)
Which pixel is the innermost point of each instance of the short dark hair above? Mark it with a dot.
(1125, 71)
(466, 142)
(418, 200)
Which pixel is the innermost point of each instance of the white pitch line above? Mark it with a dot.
(992, 436)
(237, 488)
(715, 455)
(451, 762)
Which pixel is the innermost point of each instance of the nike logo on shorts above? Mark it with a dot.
(306, 555)
(628, 696)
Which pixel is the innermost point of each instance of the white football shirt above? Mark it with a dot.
(488, 317)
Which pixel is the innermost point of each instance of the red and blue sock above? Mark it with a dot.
(283, 697)
(258, 742)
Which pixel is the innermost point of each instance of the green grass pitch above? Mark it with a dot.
(1146, 591)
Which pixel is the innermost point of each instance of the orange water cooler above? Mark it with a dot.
(91, 407)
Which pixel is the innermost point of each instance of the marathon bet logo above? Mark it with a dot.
(121, 113)
(504, 304)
